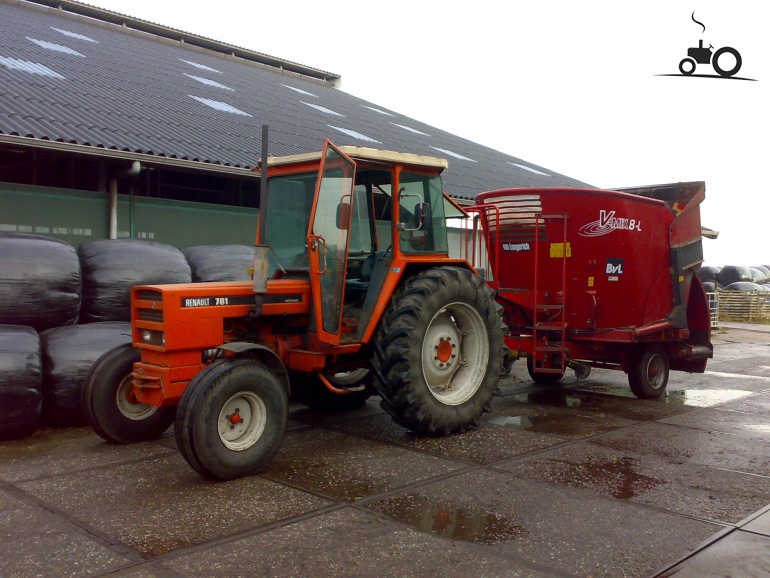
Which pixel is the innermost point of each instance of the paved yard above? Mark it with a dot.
(578, 480)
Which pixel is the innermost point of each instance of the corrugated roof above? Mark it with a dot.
(133, 91)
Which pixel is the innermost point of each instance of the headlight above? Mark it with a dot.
(150, 337)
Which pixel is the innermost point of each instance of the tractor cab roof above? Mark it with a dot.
(364, 154)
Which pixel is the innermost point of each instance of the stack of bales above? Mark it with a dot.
(62, 308)
(744, 291)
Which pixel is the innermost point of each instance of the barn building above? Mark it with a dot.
(114, 127)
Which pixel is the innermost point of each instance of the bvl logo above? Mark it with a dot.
(614, 267)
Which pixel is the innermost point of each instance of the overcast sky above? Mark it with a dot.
(572, 86)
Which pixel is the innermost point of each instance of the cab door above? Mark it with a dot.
(329, 238)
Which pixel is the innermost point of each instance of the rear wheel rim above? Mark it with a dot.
(655, 371)
(455, 353)
(242, 421)
(127, 403)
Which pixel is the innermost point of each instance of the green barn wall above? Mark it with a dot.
(80, 216)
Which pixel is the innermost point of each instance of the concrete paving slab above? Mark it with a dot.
(753, 425)
(36, 542)
(55, 451)
(155, 506)
(487, 443)
(573, 531)
(349, 543)
(740, 554)
(606, 399)
(683, 444)
(349, 468)
(757, 403)
(759, 525)
(688, 488)
(567, 422)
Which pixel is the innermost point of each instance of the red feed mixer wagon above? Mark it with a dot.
(595, 278)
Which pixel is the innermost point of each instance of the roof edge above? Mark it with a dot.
(119, 19)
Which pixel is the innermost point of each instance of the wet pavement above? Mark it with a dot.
(577, 480)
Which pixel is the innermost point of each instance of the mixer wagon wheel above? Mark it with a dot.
(442, 343)
(541, 378)
(109, 404)
(231, 419)
(648, 372)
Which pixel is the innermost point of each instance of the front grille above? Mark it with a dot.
(147, 295)
(154, 315)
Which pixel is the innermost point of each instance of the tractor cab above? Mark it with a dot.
(351, 220)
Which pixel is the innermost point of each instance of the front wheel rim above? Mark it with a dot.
(242, 421)
(127, 403)
(455, 353)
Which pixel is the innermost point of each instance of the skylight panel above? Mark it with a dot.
(27, 66)
(300, 90)
(530, 169)
(410, 129)
(201, 66)
(218, 105)
(207, 81)
(322, 108)
(55, 47)
(75, 35)
(453, 154)
(354, 134)
(377, 110)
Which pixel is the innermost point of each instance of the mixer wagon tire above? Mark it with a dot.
(308, 390)
(231, 419)
(109, 404)
(648, 373)
(442, 344)
(548, 379)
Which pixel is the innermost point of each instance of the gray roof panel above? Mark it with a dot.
(133, 91)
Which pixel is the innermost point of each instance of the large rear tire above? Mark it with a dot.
(442, 339)
(648, 373)
(108, 401)
(231, 419)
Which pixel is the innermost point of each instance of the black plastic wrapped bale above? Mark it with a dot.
(110, 267)
(743, 286)
(220, 262)
(39, 281)
(733, 274)
(68, 353)
(21, 393)
(707, 273)
(709, 286)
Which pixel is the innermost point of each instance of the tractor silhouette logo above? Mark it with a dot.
(725, 61)
(701, 55)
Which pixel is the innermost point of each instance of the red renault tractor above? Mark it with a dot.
(362, 298)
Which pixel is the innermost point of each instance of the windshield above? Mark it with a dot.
(287, 219)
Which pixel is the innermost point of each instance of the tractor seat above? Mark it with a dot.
(367, 267)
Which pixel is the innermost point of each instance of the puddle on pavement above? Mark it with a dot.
(704, 397)
(559, 425)
(677, 397)
(458, 522)
(618, 476)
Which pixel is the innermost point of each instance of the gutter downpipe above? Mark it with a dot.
(134, 170)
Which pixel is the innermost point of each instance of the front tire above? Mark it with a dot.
(109, 404)
(648, 373)
(442, 339)
(231, 419)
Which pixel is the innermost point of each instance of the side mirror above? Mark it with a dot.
(343, 215)
(422, 215)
